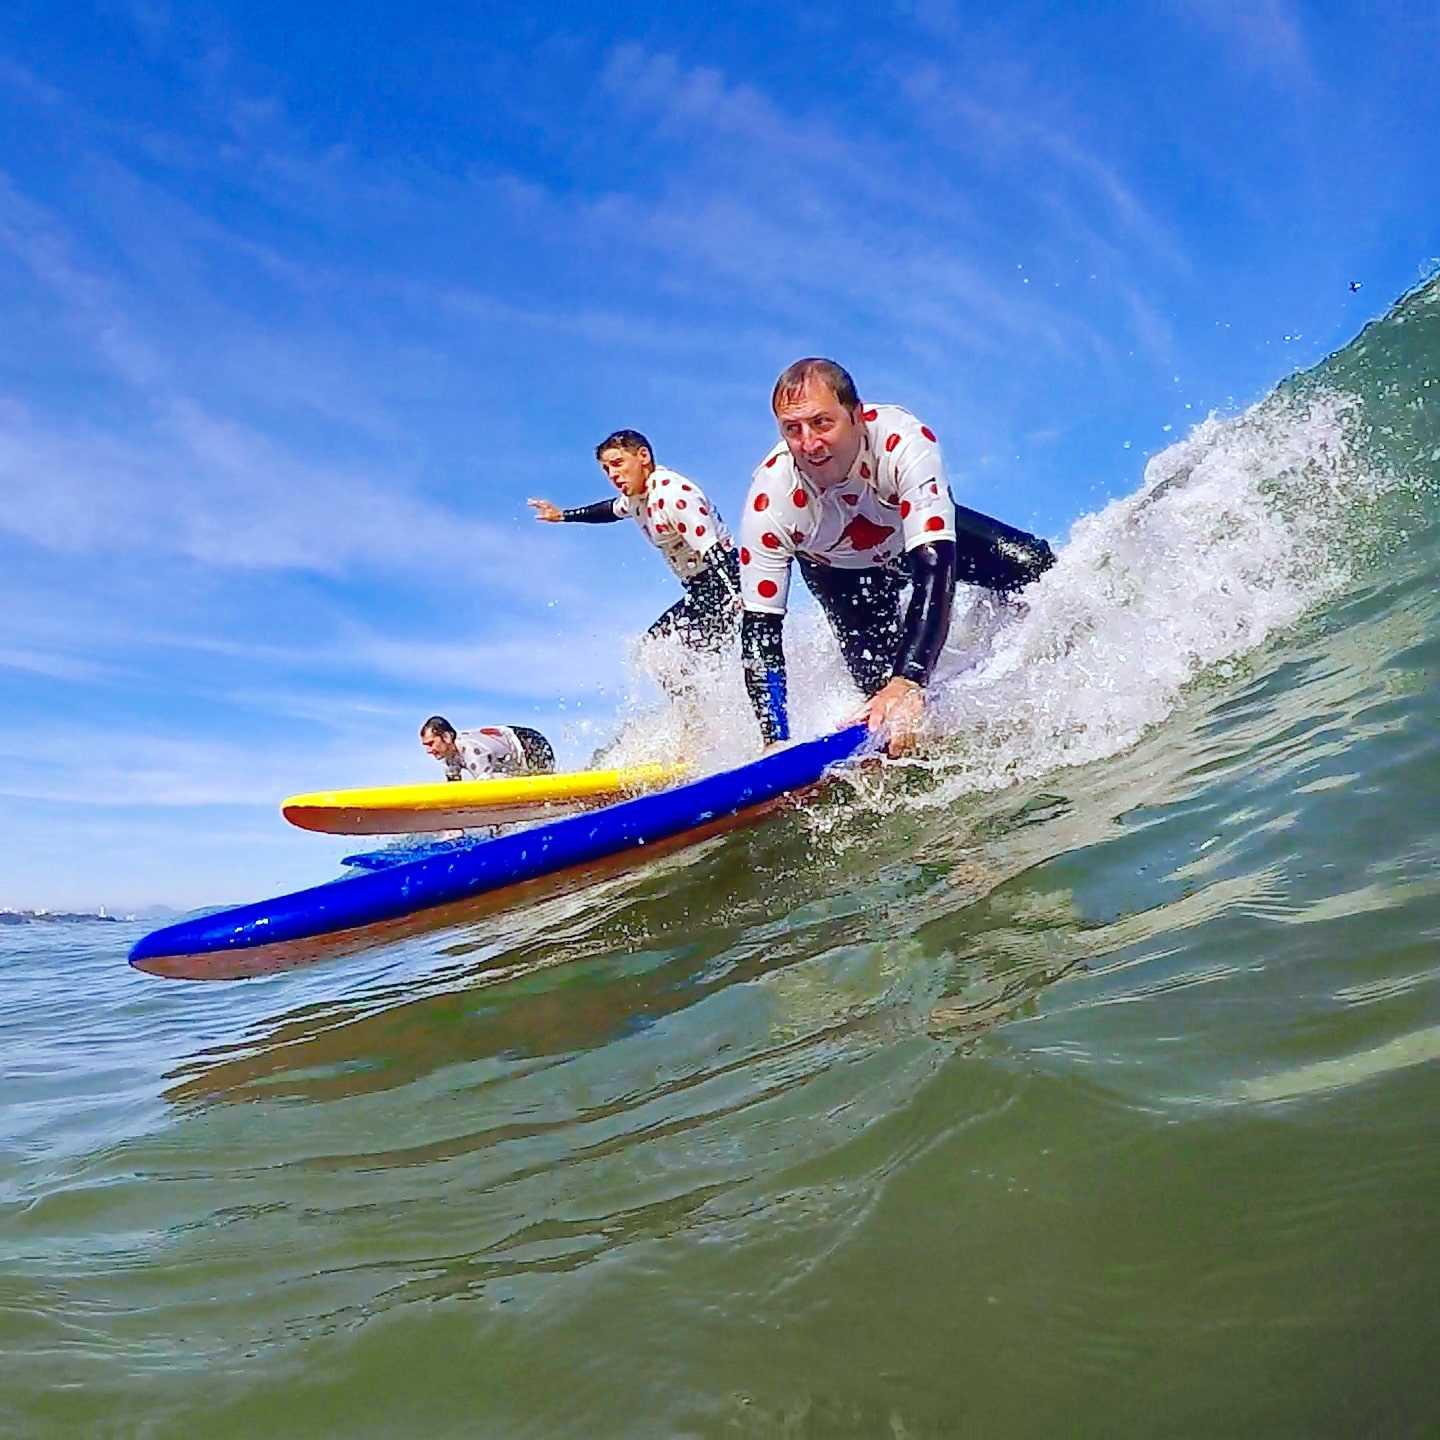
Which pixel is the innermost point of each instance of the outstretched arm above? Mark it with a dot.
(600, 513)
(899, 705)
(762, 652)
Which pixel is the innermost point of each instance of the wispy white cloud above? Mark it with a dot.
(223, 494)
(338, 660)
(108, 766)
(27, 84)
(543, 663)
(1263, 35)
(52, 666)
(1028, 135)
(597, 325)
(782, 209)
(1151, 329)
(795, 154)
(181, 479)
(152, 19)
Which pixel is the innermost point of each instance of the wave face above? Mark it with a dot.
(1080, 1079)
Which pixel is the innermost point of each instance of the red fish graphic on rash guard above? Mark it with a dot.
(864, 534)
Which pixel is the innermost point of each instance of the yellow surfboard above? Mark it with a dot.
(410, 809)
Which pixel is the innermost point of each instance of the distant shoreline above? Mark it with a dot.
(64, 917)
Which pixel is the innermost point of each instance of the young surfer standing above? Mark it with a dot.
(676, 518)
(858, 495)
(490, 750)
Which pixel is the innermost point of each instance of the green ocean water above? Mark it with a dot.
(1082, 1081)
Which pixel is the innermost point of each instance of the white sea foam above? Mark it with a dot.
(1236, 531)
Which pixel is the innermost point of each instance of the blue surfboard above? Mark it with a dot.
(282, 927)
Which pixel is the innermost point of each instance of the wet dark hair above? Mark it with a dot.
(793, 379)
(437, 725)
(631, 440)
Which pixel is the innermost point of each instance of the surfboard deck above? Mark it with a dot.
(507, 800)
(375, 906)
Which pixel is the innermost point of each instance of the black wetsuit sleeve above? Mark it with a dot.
(927, 621)
(600, 513)
(762, 652)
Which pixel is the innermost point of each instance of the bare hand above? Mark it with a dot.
(544, 510)
(897, 709)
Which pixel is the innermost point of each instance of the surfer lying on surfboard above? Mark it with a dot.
(858, 495)
(490, 750)
(676, 518)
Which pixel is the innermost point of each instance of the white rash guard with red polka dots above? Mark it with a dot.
(490, 750)
(677, 520)
(895, 497)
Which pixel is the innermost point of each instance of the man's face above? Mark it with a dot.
(628, 470)
(823, 436)
(442, 747)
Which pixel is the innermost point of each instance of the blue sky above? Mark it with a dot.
(298, 305)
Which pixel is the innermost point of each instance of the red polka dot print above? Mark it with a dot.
(681, 527)
(869, 414)
(744, 556)
(864, 471)
(770, 540)
(798, 499)
(771, 461)
(767, 589)
(891, 441)
(904, 508)
(762, 502)
(935, 523)
(699, 531)
(680, 504)
(928, 433)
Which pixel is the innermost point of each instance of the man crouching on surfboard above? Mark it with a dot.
(676, 518)
(490, 750)
(858, 495)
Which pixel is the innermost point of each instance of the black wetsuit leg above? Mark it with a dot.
(863, 608)
(539, 755)
(997, 556)
(707, 617)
